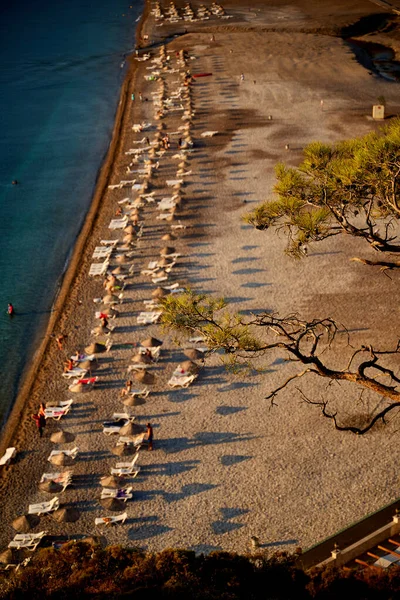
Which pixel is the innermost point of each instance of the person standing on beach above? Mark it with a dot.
(149, 436)
(242, 77)
(40, 423)
(60, 339)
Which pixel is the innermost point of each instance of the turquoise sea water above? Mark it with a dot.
(61, 70)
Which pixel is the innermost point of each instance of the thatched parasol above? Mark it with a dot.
(25, 523)
(128, 239)
(123, 450)
(66, 515)
(164, 262)
(110, 299)
(168, 237)
(131, 429)
(62, 437)
(52, 487)
(62, 460)
(95, 348)
(112, 504)
(90, 365)
(167, 250)
(194, 354)
(119, 270)
(189, 366)
(144, 377)
(142, 359)
(110, 481)
(159, 293)
(78, 388)
(134, 401)
(129, 229)
(120, 259)
(7, 557)
(151, 342)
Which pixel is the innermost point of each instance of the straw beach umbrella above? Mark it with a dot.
(25, 523)
(142, 359)
(189, 366)
(110, 299)
(131, 429)
(62, 460)
(120, 259)
(134, 401)
(90, 365)
(123, 450)
(167, 250)
(7, 557)
(194, 354)
(110, 481)
(168, 237)
(112, 504)
(151, 342)
(95, 348)
(66, 515)
(159, 293)
(119, 270)
(62, 437)
(144, 377)
(51, 487)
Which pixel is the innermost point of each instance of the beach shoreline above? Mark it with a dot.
(207, 436)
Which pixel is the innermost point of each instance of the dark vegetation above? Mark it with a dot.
(83, 570)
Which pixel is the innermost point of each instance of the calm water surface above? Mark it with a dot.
(60, 77)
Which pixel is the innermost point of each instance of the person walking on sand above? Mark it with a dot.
(42, 409)
(40, 423)
(60, 339)
(242, 77)
(149, 436)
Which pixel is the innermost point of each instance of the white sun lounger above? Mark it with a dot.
(111, 520)
(182, 382)
(109, 428)
(72, 453)
(98, 269)
(171, 182)
(133, 440)
(159, 279)
(75, 372)
(208, 134)
(56, 412)
(44, 507)
(7, 456)
(139, 393)
(123, 494)
(146, 318)
(63, 478)
(102, 252)
(118, 223)
(164, 216)
(128, 465)
(29, 541)
(110, 242)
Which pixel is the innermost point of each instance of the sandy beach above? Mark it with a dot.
(225, 466)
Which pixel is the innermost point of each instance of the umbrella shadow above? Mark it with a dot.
(229, 410)
(228, 460)
(172, 468)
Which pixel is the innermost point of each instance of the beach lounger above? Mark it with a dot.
(123, 494)
(133, 440)
(75, 372)
(72, 453)
(110, 242)
(56, 412)
(138, 367)
(164, 216)
(139, 393)
(102, 252)
(118, 223)
(208, 134)
(132, 463)
(44, 507)
(87, 384)
(63, 478)
(60, 404)
(98, 269)
(7, 457)
(159, 279)
(28, 541)
(146, 318)
(171, 287)
(172, 182)
(83, 357)
(181, 381)
(112, 520)
(113, 426)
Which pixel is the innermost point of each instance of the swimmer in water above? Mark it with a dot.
(10, 309)
(14, 182)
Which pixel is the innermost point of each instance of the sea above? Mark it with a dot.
(62, 65)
